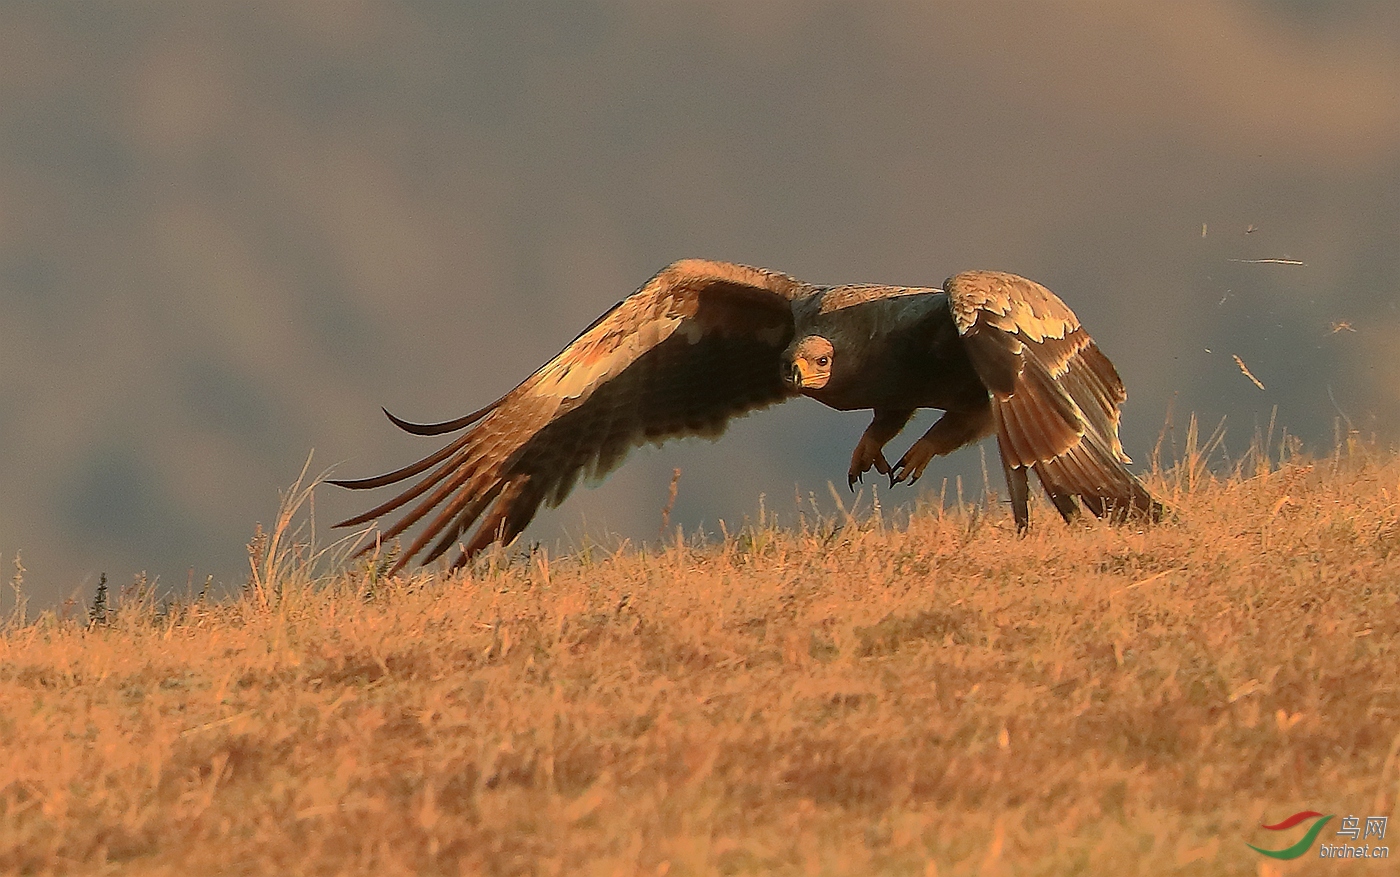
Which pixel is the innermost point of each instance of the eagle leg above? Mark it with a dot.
(953, 430)
(869, 450)
(1018, 485)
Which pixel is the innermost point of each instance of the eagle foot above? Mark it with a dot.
(914, 461)
(866, 455)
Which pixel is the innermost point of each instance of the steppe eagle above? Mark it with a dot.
(702, 342)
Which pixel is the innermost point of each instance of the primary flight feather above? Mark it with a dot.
(702, 342)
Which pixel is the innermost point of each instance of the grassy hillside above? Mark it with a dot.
(851, 696)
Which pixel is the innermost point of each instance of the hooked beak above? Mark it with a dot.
(801, 374)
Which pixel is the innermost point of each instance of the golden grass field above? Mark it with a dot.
(846, 696)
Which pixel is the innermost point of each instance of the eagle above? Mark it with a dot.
(703, 342)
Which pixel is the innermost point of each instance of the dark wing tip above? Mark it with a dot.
(355, 483)
(423, 464)
(438, 428)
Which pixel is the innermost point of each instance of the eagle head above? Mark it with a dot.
(807, 363)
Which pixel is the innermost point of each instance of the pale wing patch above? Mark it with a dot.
(690, 330)
(1024, 319)
(1010, 303)
(570, 376)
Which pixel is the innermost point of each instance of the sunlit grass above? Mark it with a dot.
(853, 695)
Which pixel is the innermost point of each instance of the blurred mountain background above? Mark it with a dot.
(230, 232)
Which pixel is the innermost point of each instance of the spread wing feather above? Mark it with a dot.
(698, 344)
(1055, 396)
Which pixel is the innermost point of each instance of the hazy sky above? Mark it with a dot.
(228, 234)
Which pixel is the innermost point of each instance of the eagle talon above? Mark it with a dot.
(911, 466)
(866, 455)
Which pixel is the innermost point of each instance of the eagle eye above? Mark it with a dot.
(823, 361)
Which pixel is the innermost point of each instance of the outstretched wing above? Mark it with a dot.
(1055, 396)
(698, 344)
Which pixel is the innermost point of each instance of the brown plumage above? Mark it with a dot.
(703, 342)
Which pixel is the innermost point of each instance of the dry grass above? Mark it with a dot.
(928, 697)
